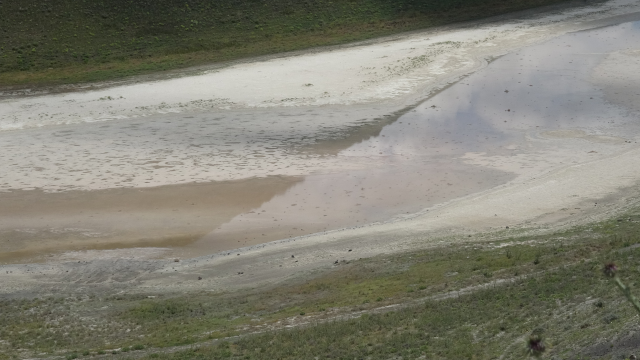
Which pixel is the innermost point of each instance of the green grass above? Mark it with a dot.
(483, 325)
(67, 41)
(552, 282)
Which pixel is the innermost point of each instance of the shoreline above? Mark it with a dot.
(385, 27)
(441, 65)
(260, 264)
(459, 212)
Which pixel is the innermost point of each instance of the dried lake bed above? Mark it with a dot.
(376, 148)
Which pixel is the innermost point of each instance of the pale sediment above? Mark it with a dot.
(513, 144)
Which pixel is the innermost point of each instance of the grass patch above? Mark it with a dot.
(482, 325)
(68, 41)
(470, 300)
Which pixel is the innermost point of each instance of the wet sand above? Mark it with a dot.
(195, 219)
(199, 179)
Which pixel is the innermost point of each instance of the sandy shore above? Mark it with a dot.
(581, 163)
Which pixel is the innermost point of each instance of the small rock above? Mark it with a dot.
(292, 256)
(176, 260)
(507, 227)
(350, 250)
(240, 272)
(632, 357)
(199, 277)
(336, 262)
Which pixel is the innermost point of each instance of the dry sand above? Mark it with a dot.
(567, 170)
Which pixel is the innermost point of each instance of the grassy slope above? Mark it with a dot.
(66, 41)
(554, 285)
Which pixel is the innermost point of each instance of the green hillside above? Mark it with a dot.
(62, 41)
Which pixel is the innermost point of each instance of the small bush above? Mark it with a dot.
(609, 318)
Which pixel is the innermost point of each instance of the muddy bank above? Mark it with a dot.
(36, 224)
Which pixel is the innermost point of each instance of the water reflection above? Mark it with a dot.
(416, 161)
(544, 86)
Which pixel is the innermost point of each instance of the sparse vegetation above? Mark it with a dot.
(610, 270)
(67, 41)
(454, 311)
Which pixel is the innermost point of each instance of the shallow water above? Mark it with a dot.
(543, 92)
(527, 112)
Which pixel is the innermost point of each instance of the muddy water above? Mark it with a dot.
(127, 183)
(330, 201)
(34, 223)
